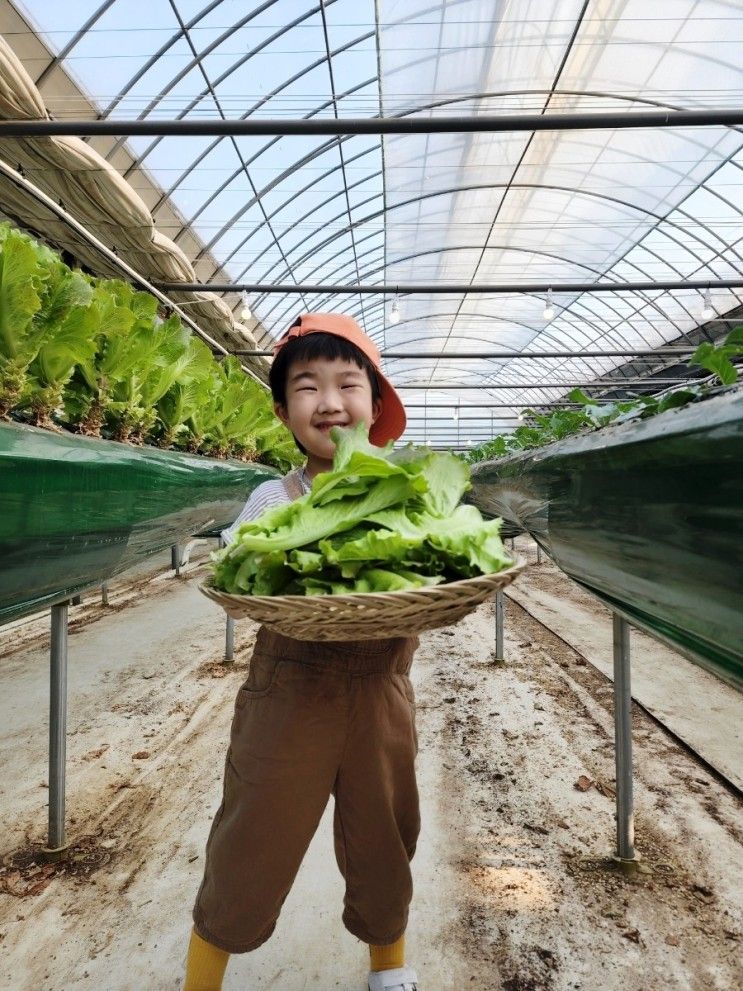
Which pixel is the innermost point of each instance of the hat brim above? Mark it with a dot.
(391, 422)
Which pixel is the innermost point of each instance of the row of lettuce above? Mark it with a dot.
(539, 429)
(93, 355)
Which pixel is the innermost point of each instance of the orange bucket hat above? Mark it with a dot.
(390, 423)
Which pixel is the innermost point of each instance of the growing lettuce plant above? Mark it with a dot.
(23, 274)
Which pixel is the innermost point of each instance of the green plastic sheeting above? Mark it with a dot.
(75, 511)
(649, 516)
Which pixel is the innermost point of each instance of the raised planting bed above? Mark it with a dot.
(648, 515)
(76, 511)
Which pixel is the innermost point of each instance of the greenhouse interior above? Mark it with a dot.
(371, 495)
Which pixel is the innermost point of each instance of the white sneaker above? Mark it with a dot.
(399, 979)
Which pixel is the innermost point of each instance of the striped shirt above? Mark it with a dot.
(264, 496)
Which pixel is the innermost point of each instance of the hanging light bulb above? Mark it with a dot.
(708, 311)
(395, 311)
(549, 310)
(455, 414)
(469, 442)
(245, 313)
(428, 443)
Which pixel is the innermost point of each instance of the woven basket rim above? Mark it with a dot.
(433, 591)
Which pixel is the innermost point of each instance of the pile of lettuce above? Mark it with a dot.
(381, 520)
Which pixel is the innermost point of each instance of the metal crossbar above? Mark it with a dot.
(640, 353)
(379, 125)
(440, 288)
(611, 384)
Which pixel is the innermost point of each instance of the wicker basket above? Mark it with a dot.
(364, 615)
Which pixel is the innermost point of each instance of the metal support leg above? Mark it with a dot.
(229, 644)
(623, 740)
(57, 844)
(499, 626)
(539, 554)
(104, 594)
(175, 559)
(229, 640)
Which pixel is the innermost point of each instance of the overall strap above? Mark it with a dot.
(293, 485)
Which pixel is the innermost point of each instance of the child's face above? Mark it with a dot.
(321, 394)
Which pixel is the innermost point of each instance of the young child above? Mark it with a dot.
(315, 719)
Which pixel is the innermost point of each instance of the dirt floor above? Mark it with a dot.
(515, 885)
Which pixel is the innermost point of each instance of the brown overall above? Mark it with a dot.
(315, 719)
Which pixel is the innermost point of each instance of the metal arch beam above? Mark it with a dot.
(650, 302)
(218, 105)
(642, 101)
(546, 335)
(685, 248)
(339, 144)
(272, 185)
(297, 165)
(207, 10)
(326, 146)
(515, 171)
(612, 386)
(658, 222)
(424, 108)
(145, 68)
(653, 303)
(182, 73)
(371, 250)
(378, 44)
(256, 106)
(526, 326)
(309, 157)
(72, 43)
(459, 247)
(194, 20)
(560, 346)
(242, 123)
(478, 406)
(473, 188)
(320, 178)
(467, 247)
(339, 268)
(258, 195)
(499, 94)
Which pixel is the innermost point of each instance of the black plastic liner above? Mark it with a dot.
(76, 511)
(648, 515)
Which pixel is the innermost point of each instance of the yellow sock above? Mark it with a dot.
(388, 957)
(205, 966)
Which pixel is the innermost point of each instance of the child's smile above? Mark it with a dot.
(322, 394)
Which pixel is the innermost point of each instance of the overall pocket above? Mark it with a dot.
(262, 678)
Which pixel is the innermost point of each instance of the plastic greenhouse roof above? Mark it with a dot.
(547, 207)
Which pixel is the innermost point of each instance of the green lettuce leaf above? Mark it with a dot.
(380, 520)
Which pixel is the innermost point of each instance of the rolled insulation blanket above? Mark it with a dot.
(19, 97)
(162, 260)
(94, 192)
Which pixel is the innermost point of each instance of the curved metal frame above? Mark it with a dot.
(580, 309)
(454, 190)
